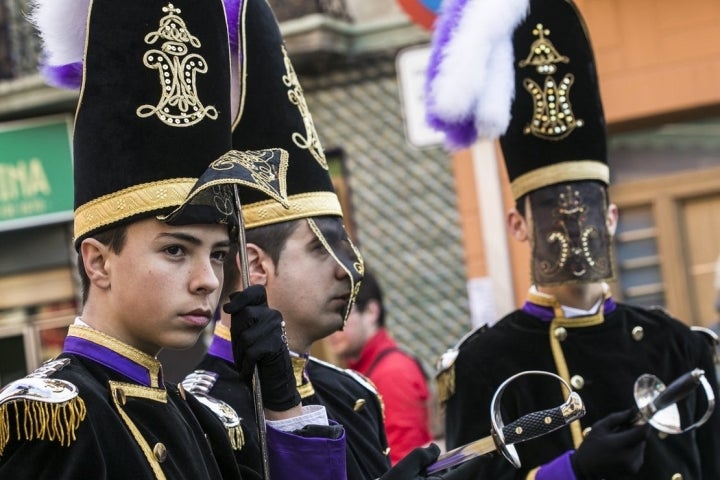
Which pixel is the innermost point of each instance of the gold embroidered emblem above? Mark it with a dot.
(310, 141)
(570, 215)
(553, 118)
(179, 105)
(265, 170)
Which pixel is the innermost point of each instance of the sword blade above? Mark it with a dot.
(463, 454)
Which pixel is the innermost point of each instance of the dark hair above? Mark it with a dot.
(272, 238)
(370, 290)
(115, 240)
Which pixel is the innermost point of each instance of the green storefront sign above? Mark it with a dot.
(36, 177)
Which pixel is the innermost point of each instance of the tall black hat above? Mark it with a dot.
(539, 79)
(154, 109)
(272, 114)
(557, 127)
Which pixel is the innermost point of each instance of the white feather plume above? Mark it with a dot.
(62, 25)
(475, 73)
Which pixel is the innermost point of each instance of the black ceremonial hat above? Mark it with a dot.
(557, 130)
(154, 108)
(272, 113)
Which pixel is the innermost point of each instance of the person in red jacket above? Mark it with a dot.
(366, 346)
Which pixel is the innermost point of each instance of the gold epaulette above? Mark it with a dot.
(445, 369)
(42, 408)
(199, 383)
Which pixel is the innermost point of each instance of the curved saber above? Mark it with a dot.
(527, 427)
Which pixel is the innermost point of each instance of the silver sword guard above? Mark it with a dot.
(506, 436)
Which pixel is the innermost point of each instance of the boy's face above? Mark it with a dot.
(165, 284)
(308, 286)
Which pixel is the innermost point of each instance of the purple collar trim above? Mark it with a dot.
(219, 347)
(110, 359)
(547, 314)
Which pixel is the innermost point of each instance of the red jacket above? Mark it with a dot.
(403, 388)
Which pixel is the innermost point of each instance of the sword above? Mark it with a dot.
(527, 427)
(652, 397)
(257, 395)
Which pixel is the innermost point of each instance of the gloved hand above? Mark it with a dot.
(413, 465)
(257, 334)
(613, 448)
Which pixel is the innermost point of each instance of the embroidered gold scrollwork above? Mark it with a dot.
(552, 117)
(310, 140)
(570, 216)
(179, 105)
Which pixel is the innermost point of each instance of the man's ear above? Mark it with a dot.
(95, 260)
(612, 218)
(260, 265)
(517, 225)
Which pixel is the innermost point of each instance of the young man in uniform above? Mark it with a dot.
(554, 146)
(367, 347)
(299, 258)
(153, 226)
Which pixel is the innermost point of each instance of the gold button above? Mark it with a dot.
(662, 435)
(547, 420)
(560, 333)
(160, 452)
(359, 404)
(638, 333)
(577, 382)
(677, 476)
(586, 432)
(518, 430)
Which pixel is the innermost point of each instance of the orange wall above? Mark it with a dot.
(654, 57)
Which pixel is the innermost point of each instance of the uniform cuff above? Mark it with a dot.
(557, 469)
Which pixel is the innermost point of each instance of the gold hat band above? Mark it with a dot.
(131, 201)
(303, 205)
(558, 173)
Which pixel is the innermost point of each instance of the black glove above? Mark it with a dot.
(614, 448)
(413, 465)
(258, 339)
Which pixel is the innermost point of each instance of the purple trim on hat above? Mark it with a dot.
(221, 348)
(109, 358)
(546, 314)
(63, 76)
(463, 132)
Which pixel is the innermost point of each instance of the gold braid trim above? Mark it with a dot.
(560, 172)
(131, 201)
(446, 384)
(4, 427)
(55, 422)
(303, 205)
(237, 437)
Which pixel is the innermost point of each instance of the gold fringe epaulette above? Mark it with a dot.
(41, 408)
(199, 383)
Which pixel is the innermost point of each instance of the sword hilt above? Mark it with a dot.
(537, 424)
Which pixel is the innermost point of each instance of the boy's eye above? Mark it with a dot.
(174, 250)
(220, 255)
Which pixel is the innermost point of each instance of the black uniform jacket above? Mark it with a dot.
(348, 398)
(115, 428)
(603, 355)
